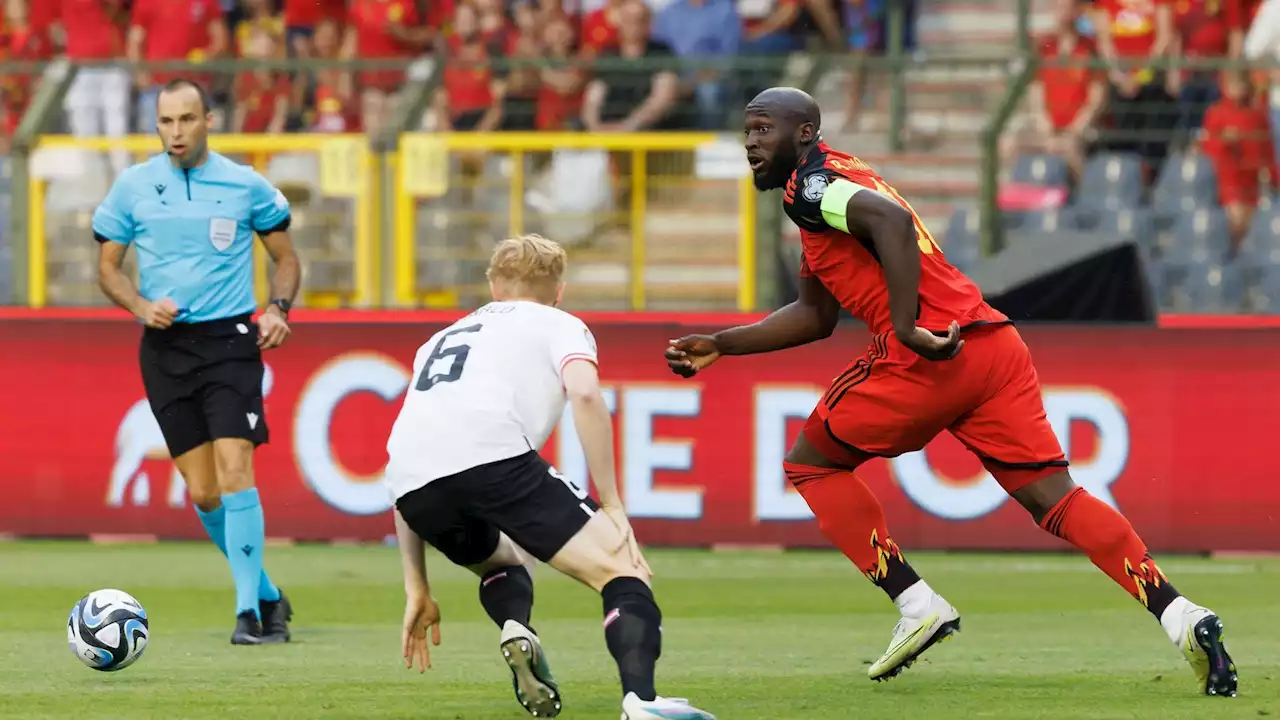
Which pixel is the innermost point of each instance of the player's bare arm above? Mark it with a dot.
(120, 288)
(420, 611)
(810, 318)
(273, 326)
(594, 426)
(892, 230)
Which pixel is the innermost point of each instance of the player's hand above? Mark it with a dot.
(931, 347)
(691, 353)
(273, 330)
(421, 613)
(158, 314)
(630, 546)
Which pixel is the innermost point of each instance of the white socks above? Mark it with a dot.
(1175, 619)
(914, 602)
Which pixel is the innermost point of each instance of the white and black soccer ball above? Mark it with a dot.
(108, 630)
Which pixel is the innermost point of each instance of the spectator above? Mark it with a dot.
(261, 95)
(520, 104)
(560, 94)
(162, 30)
(704, 31)
(623, 99)
(767, 25)
(1206, 29)
(1236, 137)
(867, 22)
(600, 29)
(383, 29)
(1067, 97)
(1142, 110)
(1263, 43)
(302, 19)
(259, 17)
(97, 103)
(335, 108)
(23, 41)
(473, 92)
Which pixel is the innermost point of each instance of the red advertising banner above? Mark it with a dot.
(1172, 426)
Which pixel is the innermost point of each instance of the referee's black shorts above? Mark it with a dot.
(204, 382)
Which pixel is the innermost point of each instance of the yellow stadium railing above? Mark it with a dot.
(422, 171)
(345, 172)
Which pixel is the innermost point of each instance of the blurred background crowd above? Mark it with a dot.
(1146, 118)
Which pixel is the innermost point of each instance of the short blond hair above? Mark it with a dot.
(528, 265)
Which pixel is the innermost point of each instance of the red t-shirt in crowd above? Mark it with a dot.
(1132, 23)
(598, 31)
(176, 29)
(259, 95)
(1205, 25)
(1238, 140)
(467, 76)
(309, 13)
(372, 20)
(1066, 86)
(91, 30)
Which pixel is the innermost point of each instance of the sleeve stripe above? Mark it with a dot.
(278, 227)
(577, 356)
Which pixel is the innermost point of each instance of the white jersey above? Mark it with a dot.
(484, 389)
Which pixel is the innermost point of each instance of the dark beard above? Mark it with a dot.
(779, 172)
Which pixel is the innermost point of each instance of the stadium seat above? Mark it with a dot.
(962, 245)
(1119, 222)
(1111, 180)
(1215, 288)
(1186, 182)
(1048, 221)
(1047, 170)
(1264, 296)
(1199, 239)
(1262, 243)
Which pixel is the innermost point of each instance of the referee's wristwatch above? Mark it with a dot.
(283, 304)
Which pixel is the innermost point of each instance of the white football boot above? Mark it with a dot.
(660, 708)
(927, 619)
(1197, 632)
(535, 688)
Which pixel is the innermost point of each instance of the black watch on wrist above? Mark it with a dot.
(283, 304)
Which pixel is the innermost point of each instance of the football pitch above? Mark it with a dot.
(748, 636)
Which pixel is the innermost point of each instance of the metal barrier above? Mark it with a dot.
(326, 177)
(647, 207)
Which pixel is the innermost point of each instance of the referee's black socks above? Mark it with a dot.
(507, 594)
(633, 632)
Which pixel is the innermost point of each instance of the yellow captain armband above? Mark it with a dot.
(835, 203)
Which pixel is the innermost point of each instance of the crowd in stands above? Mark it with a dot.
(564, 90)
(1101, 87)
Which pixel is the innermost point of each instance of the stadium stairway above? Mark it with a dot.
(947, 105)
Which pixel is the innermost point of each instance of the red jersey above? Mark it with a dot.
(849, 266)
(309, 13)
(176, 30)
(93, 28)
(1205, 26)
(1132, 23)
(1238, 140)
(468, 78)
(599, 33)
(1066, 78)
(259, 97)
(372, 20)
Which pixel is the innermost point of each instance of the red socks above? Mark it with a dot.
(1110, 542)
(850, 516)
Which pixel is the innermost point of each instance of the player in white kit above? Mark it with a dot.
(464, 469)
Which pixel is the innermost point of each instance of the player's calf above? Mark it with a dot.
(1106, 537)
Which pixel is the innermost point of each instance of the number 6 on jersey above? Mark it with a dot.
(455, 354)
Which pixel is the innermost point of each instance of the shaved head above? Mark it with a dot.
(787, 103)
(781, 124)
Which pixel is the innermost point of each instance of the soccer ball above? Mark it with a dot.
(107, 630)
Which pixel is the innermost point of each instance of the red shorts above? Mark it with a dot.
(893, 401)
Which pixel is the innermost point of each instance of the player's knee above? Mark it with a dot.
(805, 454)
(234, 463)
(207, 498)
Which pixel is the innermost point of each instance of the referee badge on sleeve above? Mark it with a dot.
(222, 233)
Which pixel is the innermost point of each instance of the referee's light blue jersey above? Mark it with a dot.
(193, 231)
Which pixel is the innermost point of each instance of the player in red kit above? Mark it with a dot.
(941, 359)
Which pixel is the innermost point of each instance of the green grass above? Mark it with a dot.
(750, 636)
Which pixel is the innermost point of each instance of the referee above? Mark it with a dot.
(190, 215)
